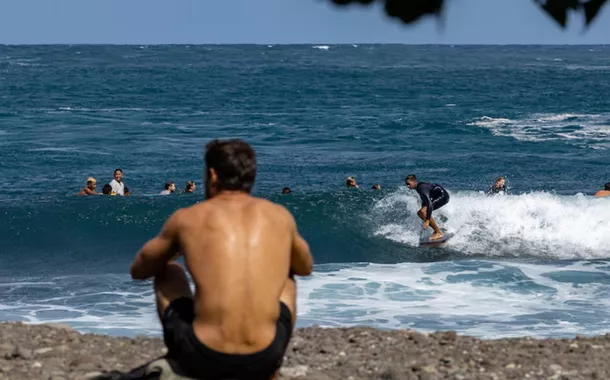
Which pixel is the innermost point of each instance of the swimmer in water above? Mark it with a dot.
(350, 182)
(190, 187)
(107, 190)
(118, 187)
(605, 192)
(433, 197)
(286, 190)
(170, 188)
(498, 187)
(376, 187)
(90, 188)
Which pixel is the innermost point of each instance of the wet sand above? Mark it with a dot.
(54, 352)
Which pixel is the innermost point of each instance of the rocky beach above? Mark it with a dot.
(54, 352)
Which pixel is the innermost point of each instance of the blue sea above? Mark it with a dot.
(535, 262)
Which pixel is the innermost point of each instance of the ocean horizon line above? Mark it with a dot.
(297, 44)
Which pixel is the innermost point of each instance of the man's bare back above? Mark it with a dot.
(237, 249)
(242, 253)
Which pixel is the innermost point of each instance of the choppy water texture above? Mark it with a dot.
(536, 262)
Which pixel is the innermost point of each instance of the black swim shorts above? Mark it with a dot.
(201, 362)
(439, 199)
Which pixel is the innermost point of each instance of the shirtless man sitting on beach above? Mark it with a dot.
(241, 253)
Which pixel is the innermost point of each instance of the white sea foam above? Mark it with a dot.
(579, 129)
(481, 298)
(322, 47)
(440, 296)
(535, 224)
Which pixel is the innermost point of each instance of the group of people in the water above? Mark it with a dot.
(117, 187)
(433, 196)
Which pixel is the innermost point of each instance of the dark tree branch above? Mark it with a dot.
(410, 11)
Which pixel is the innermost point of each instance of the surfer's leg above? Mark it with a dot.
(437, 204)
(437, 231)
(422, 213)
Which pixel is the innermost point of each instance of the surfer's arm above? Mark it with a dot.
(424, 194)
(157, 252)
(428, 209)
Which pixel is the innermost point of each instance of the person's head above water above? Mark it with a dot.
(171, 186)
(190, 187)
(500, 183)
(376, 187)
(127, 192)
(351, 182)
(286, 190)
(607, 186)
(91, 183)
(107, 189)
(230, 166)
(411, 181)
(118, 174)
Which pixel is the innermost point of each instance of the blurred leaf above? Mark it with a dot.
(410, 11)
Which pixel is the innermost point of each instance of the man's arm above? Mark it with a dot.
(157, 252)
(301, 260)
(424, 194)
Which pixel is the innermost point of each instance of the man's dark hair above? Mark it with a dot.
(118, 170)
(411, 177)
(607, 186)
(234, 162)
(168, 184)
(286, 190)
(107, 189)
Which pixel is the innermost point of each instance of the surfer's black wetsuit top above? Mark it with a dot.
(497, 190)
(433, 196)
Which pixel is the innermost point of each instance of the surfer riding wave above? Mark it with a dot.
(433, 197)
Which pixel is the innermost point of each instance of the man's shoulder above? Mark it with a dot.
(268, 206)
(211, 205)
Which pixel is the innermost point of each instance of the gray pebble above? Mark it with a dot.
(23, 353)
(294, 372)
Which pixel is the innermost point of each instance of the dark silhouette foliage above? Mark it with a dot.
(410, 11)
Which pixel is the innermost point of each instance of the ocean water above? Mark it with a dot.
(535, 262)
